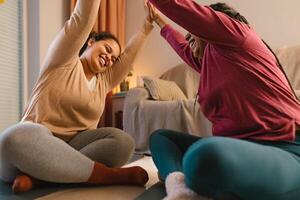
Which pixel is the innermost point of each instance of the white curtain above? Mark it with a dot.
(11, 62)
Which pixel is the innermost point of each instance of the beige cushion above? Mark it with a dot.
(290, 60)
(163, 90)
(185, 77)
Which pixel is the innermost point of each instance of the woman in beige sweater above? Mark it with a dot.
(57, 139)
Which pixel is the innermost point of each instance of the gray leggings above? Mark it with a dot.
(32, 149)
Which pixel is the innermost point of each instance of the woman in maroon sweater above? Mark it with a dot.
(246, 95)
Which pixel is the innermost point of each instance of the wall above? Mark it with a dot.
(155, 56)
(275, 21)
(45, 19)
(54, 13)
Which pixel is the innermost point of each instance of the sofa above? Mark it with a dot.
(144, 114)
(290, 60)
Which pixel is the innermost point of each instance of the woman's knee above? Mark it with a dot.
(123, 140)
(17, 135)
(209, 164)
(125, 145)
(156, 136)
(13, 141)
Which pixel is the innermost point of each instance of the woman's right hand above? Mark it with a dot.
(151, 12)
(153, 15)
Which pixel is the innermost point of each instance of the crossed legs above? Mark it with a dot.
(32, 149)
(218, 167)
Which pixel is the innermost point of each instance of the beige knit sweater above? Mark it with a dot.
(61, 99)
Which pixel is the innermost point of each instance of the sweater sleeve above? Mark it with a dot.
(180, 45)
(68, 42)
(119, 70)
(202, 21)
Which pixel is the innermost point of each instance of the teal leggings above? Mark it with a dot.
(219, 167)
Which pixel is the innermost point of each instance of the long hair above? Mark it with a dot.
(229, 11)
(97, 37)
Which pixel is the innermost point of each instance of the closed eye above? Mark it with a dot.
(108, 49)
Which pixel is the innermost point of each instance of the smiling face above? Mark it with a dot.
(102, 54)
(196, 44)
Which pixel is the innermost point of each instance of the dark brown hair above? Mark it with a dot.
(97, 37)
(224, 8)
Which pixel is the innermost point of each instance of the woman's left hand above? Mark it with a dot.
(151, 11)
(153, 15)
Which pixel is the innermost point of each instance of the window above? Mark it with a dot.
(11, 62)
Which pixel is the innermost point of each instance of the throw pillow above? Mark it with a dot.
(163, 90)
(185, 77)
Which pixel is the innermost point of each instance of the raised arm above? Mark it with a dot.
(204, 22)
(181, 46)
(176, 40)
(119, 70)
(122, 66)
(67, 44)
